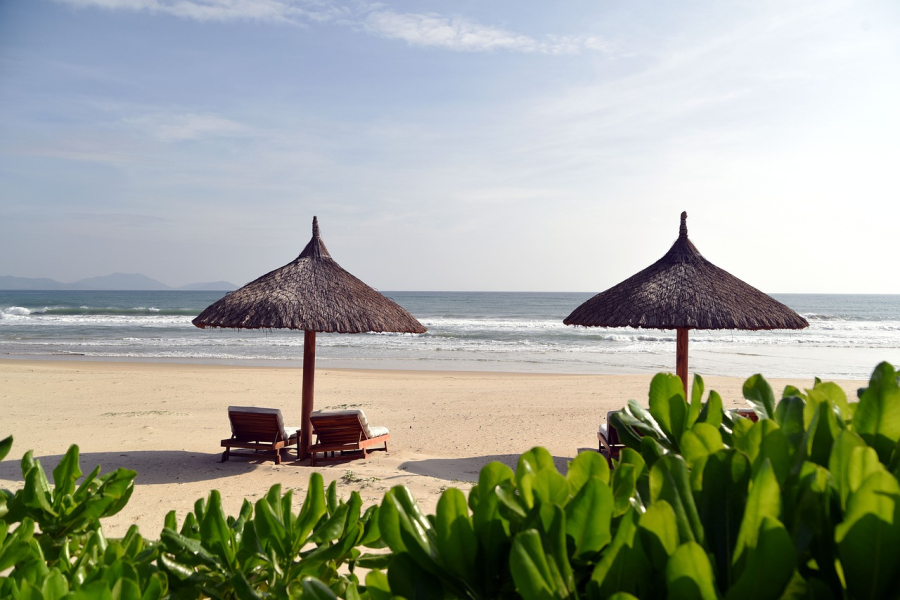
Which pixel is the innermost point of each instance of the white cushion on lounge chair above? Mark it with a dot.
(604, 431)
(286, 432)
(374, 432)
(371, 432)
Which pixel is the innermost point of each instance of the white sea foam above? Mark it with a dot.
(507, 332)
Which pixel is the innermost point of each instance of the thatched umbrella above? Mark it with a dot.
(312, 293)
(684, 291)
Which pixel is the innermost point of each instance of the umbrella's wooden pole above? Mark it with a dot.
(681, 356)
(309, 375)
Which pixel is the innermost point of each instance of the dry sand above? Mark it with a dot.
(166, 421)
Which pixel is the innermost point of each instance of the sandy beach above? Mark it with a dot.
(166, 421)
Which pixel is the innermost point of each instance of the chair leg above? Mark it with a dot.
(225, 455)
(278, 456)
(385, 448)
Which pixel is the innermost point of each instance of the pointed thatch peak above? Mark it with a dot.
(312, 293)
(683, 289)
(316, 247)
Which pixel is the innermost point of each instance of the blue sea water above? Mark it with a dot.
(495, 331)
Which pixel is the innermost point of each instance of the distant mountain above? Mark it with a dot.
(212, 286)
(116, 281)
(121, 281)
(8, 282)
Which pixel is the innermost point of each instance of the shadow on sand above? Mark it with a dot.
(154, 467)
(467, 469)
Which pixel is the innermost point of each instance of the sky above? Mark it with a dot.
(505, 145)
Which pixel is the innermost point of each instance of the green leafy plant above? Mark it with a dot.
(802, 503)
(52, 543)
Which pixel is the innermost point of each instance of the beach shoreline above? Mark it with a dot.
(165, 420)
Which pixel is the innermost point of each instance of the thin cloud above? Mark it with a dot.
(191, 126)
(424, 30)
(273, 11)
(461, 34)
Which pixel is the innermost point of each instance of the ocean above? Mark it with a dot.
(482, 331)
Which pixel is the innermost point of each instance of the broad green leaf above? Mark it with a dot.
(627, 427)
(36, 491)
(491, 528)
(840, 460)
(215, 531)
(721, 499)
(377, 586)
(96, 590)
(585, 466)
(764, 500)
(699, 442)
(67, 472)
(834, 394)
(588, 517)
(765, 440)
(55, 586)
(407, 579)
(640, 419)
(550, 487)
(759, 394)
(740, 429)
(869, 538)
(651, 450)
(510, 497)
(820, 436)
(333, 526)
(29, 591)
(624, 486)
(316, 590)
(696, 402)
(769, 566)
(5, 445)
(270, 530)
(126, 589)
(668, 406)
(455, 535)
(531, 571)
(533, 465)
(406, 529)
(669, 481)
(313, 509)
(623, 566)
(712, 411)
(372, 534)
(789, 416)
(863, 463)
(534, 461)
(658, 528)
(187, 552)
(877, 417)
(689, 575)
(553, 539)
(810, 515)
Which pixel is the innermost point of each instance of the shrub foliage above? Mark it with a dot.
(703, 503)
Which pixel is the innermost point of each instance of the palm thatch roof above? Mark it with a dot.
(684, 290)
(312, 293)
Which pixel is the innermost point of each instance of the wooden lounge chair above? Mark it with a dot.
(345, 431)
(259, 429)
(610, 445)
